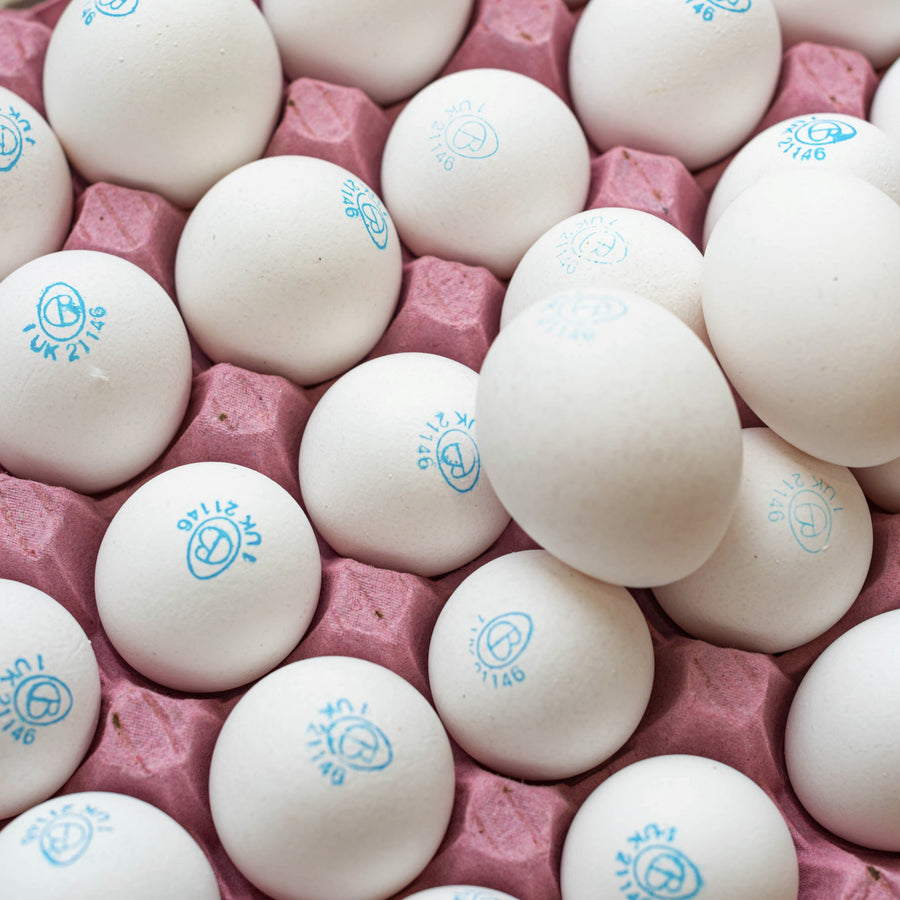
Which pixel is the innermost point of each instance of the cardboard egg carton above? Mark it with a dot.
(156, 744)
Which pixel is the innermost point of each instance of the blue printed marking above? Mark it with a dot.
(471, 136)
(359, 744)
(810, 519)
(61, 312)
(824, 131)
(665, 873)
(66, 838)
(503, 639)
(458, 459)
(576, 314)
(11, 143)
(707, 8)
(360, 202)
(42, 700)
(213, 547)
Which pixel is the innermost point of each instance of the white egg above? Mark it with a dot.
(95, 370)
(459, 892)
(611, 436)
(167, 96)
(612, 247)
(289, 266)
(388, 48)
(49, 697)
(818, 141)
(98, 845)
(686, 79)
(538, 671)
(793, 560)
(870, 26)
(881, 484)
(800, 281)
(842, 741)
(390, 467)
(479, 164)
(207, 577)
(885, 109)
(679, 826)
(35, 185)
(332, 779)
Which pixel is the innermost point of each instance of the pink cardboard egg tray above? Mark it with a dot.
(156, 744)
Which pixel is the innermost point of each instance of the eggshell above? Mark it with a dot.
(793, 560)
(818, 141)
(361, 761)
(881, 484)
(538, 671)
(679, 826)
(611, 436)
(842, 739)
(49, 696)
(617, 248)
(98, 845)
(35, 185)
(800, 306)
(688, 79)
(291, 266)
(95, 370)
(870, 26)
(389, 49)
(207, 577)
(390, 467)
(167, 96)
(885, 109)
(479, 164)
(459, 892)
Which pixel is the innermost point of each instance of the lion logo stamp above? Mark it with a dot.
(811, 137)
(14, 138)
(807, 504)
(64, 327)
(462, 131)
(591, 241)
(65, 833)
(361, 203)
(220, 534)
(448, 445)
(497, 646)
(652, 867)
(31, 699)
(577, 315)
(114, 9)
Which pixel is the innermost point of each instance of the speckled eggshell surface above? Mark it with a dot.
(36, 196)
(289, 265)
(166, 96)
(95, 370)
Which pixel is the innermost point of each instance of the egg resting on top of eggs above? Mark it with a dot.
(793, 560)
(166, 96)
(610, 434)
(95, 370)
(684, 79)
(331, 779)
(207, 576)
(479, 164)
(35, 185)
(881, 484)
(800, 285)
(389, 48)
(679, 826)
(842, 739)
(289, 265)
(617, 248)
(51, 697)
(817, 141)
(99, 845)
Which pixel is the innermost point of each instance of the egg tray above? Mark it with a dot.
(156, 744)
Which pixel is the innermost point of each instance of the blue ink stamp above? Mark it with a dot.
(810, 137)
(115, 9)
(219, 533)
(593, 240)
(707, 8)
(14, 128)
(449, 445)
(346, 739)
(808, 504)
(462, 131)
(576, 315)
(361, 203)
(497, 646)
(653, 868)
(474, 894)
(64, 834)
(31, 699)
(65, 328)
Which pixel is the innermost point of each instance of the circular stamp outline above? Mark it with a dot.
(55, 856)
(382, 745)
(492, 623)
(443, 465)
(60, 334)
(491, 138)
(16, 153)
(65, 696)
(687, 865)
(838, 134)
(815, 543)
(218, 567)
